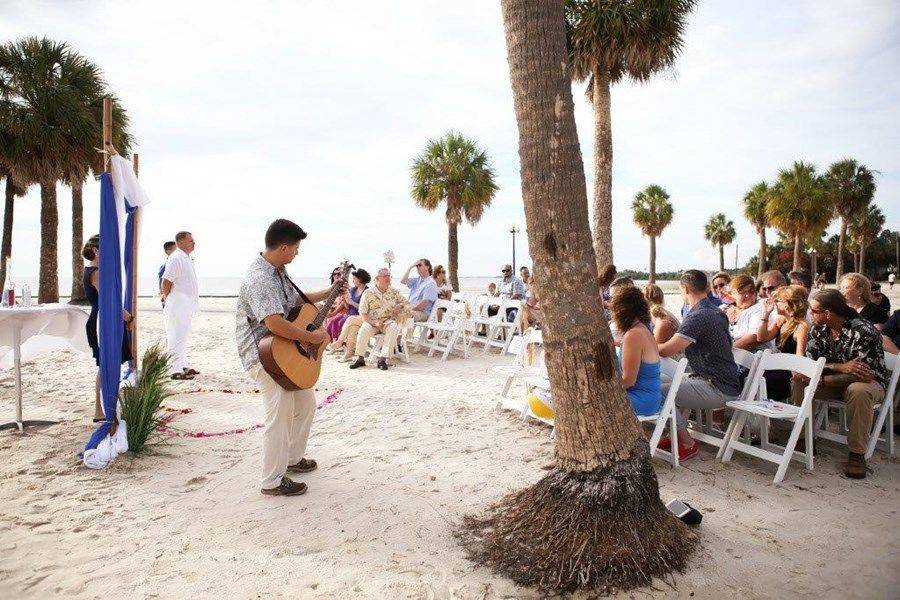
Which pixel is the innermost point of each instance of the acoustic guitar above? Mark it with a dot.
(295, 365)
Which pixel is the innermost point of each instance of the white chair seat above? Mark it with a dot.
(538, 381)
(516, 371)
(648, 418)
(767, 408)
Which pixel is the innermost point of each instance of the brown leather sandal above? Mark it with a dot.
(305, 465)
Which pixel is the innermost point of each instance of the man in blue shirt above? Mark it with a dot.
(168, 248)
(423, 290)
(704, 338)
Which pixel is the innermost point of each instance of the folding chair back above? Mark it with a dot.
(667, 414)
(750, 361)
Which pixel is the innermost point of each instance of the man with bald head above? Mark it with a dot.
(383, 309)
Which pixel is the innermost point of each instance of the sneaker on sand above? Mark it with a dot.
(855, 467)
(287, 487)
(359, 362)
(305, 465)
(382, 364)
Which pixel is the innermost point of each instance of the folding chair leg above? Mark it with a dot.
(673, 437)
(738, 428)
(788, 452)
(878, 427)
(808, 422)
(729, 431)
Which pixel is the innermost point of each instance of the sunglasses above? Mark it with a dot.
(769, 288)
(506, 271)
(719, 286)
(817, 311)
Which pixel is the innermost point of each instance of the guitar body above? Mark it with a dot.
(293, 365)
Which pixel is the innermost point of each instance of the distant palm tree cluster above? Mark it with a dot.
(801, 204)
(51, 113)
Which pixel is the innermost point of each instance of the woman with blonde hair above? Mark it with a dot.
(665, 324)
(857, 289)
(445, 291)
(790, 330)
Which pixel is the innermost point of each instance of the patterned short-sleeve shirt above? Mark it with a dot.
(265, 291)
(379, 305)
(710, 354)
(858, 339)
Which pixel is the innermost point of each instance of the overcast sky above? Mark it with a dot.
(245, 112)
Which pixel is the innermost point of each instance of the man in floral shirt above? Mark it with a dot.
(383, 309)
(854, 370)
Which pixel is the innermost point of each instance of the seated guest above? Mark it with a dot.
(743, 289)
(801, 277)
(857, 289)
(340, 328)
(790, 331)
(745, 328)
(854, 370)
(339, 307)
(532, 315)
(821, 280)
(703, 337)
(382, 309)
(511, 288)
(640, 358)
(664, 323)
(620, 283)
(423, 290)
(445, 290)
(607, 276)
(880, 299)
(890, 334)
(720, 288)
(524, 275)
(492, 289)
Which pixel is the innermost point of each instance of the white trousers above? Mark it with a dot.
(178, 328)
(366, 331)
(288, 419)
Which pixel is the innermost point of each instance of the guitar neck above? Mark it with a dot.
(329, 302)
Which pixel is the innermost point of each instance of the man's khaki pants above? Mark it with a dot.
(860, 399)
(288, 418)
(366, 331)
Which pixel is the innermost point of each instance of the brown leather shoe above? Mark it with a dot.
(855, 468)
(304, 465)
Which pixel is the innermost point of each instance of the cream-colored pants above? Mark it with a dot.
(288, 418)
(366, 331)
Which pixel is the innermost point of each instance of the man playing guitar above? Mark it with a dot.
(266, 296)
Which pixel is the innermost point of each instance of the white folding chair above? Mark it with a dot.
(449, 334)
(482, 320)
(703, 428)
(421, 327)
(502, 331)
(518, 369)
(666, 414)
(884, 415)
(756, 404)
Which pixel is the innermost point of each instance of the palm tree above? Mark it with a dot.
(798, 205)
(652, 213)
(719, 231)
(455, 171)
(595, 520)
(864, 228)
(607, 42)
(850, 188)
(12, 190)
(49, 96)
(755, 212)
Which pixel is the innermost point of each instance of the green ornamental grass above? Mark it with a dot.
(142, 403)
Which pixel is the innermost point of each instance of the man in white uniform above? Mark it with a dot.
(181, 295)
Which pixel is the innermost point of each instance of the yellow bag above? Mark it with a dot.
(539, 407)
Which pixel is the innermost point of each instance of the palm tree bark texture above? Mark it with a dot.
(48, 271)
(603, 158)
(6, 244)
(78, 295)
(596, 520)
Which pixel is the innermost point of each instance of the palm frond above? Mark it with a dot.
(652, 210)
(142, 402)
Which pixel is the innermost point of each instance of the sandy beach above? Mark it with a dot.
(403, 455)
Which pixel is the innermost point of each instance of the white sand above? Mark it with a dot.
(403, 455)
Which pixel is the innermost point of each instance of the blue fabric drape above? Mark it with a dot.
(110, 329)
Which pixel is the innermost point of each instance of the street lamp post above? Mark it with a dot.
(514, 229)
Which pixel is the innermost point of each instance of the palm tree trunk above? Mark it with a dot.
(813, 263)
(77, 241)
(611, 529)
(6, 245)
(761, 268)
(855, 263)
(652, 259)
(721, 257)
(603, 160)
(840, 250)
(796, 252)
(862, 257)
(453, 254)
(48, 277)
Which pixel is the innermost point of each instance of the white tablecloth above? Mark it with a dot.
(44, 328)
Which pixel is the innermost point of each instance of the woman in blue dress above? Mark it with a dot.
(640, 357)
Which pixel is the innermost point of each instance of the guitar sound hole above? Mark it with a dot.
(301, 349)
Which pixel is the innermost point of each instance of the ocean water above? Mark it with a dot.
(227, 287)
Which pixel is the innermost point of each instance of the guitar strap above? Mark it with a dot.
(294, 285)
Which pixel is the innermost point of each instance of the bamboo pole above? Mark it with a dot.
(134, 274)
(107, 132)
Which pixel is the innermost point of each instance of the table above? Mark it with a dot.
(26, 332)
